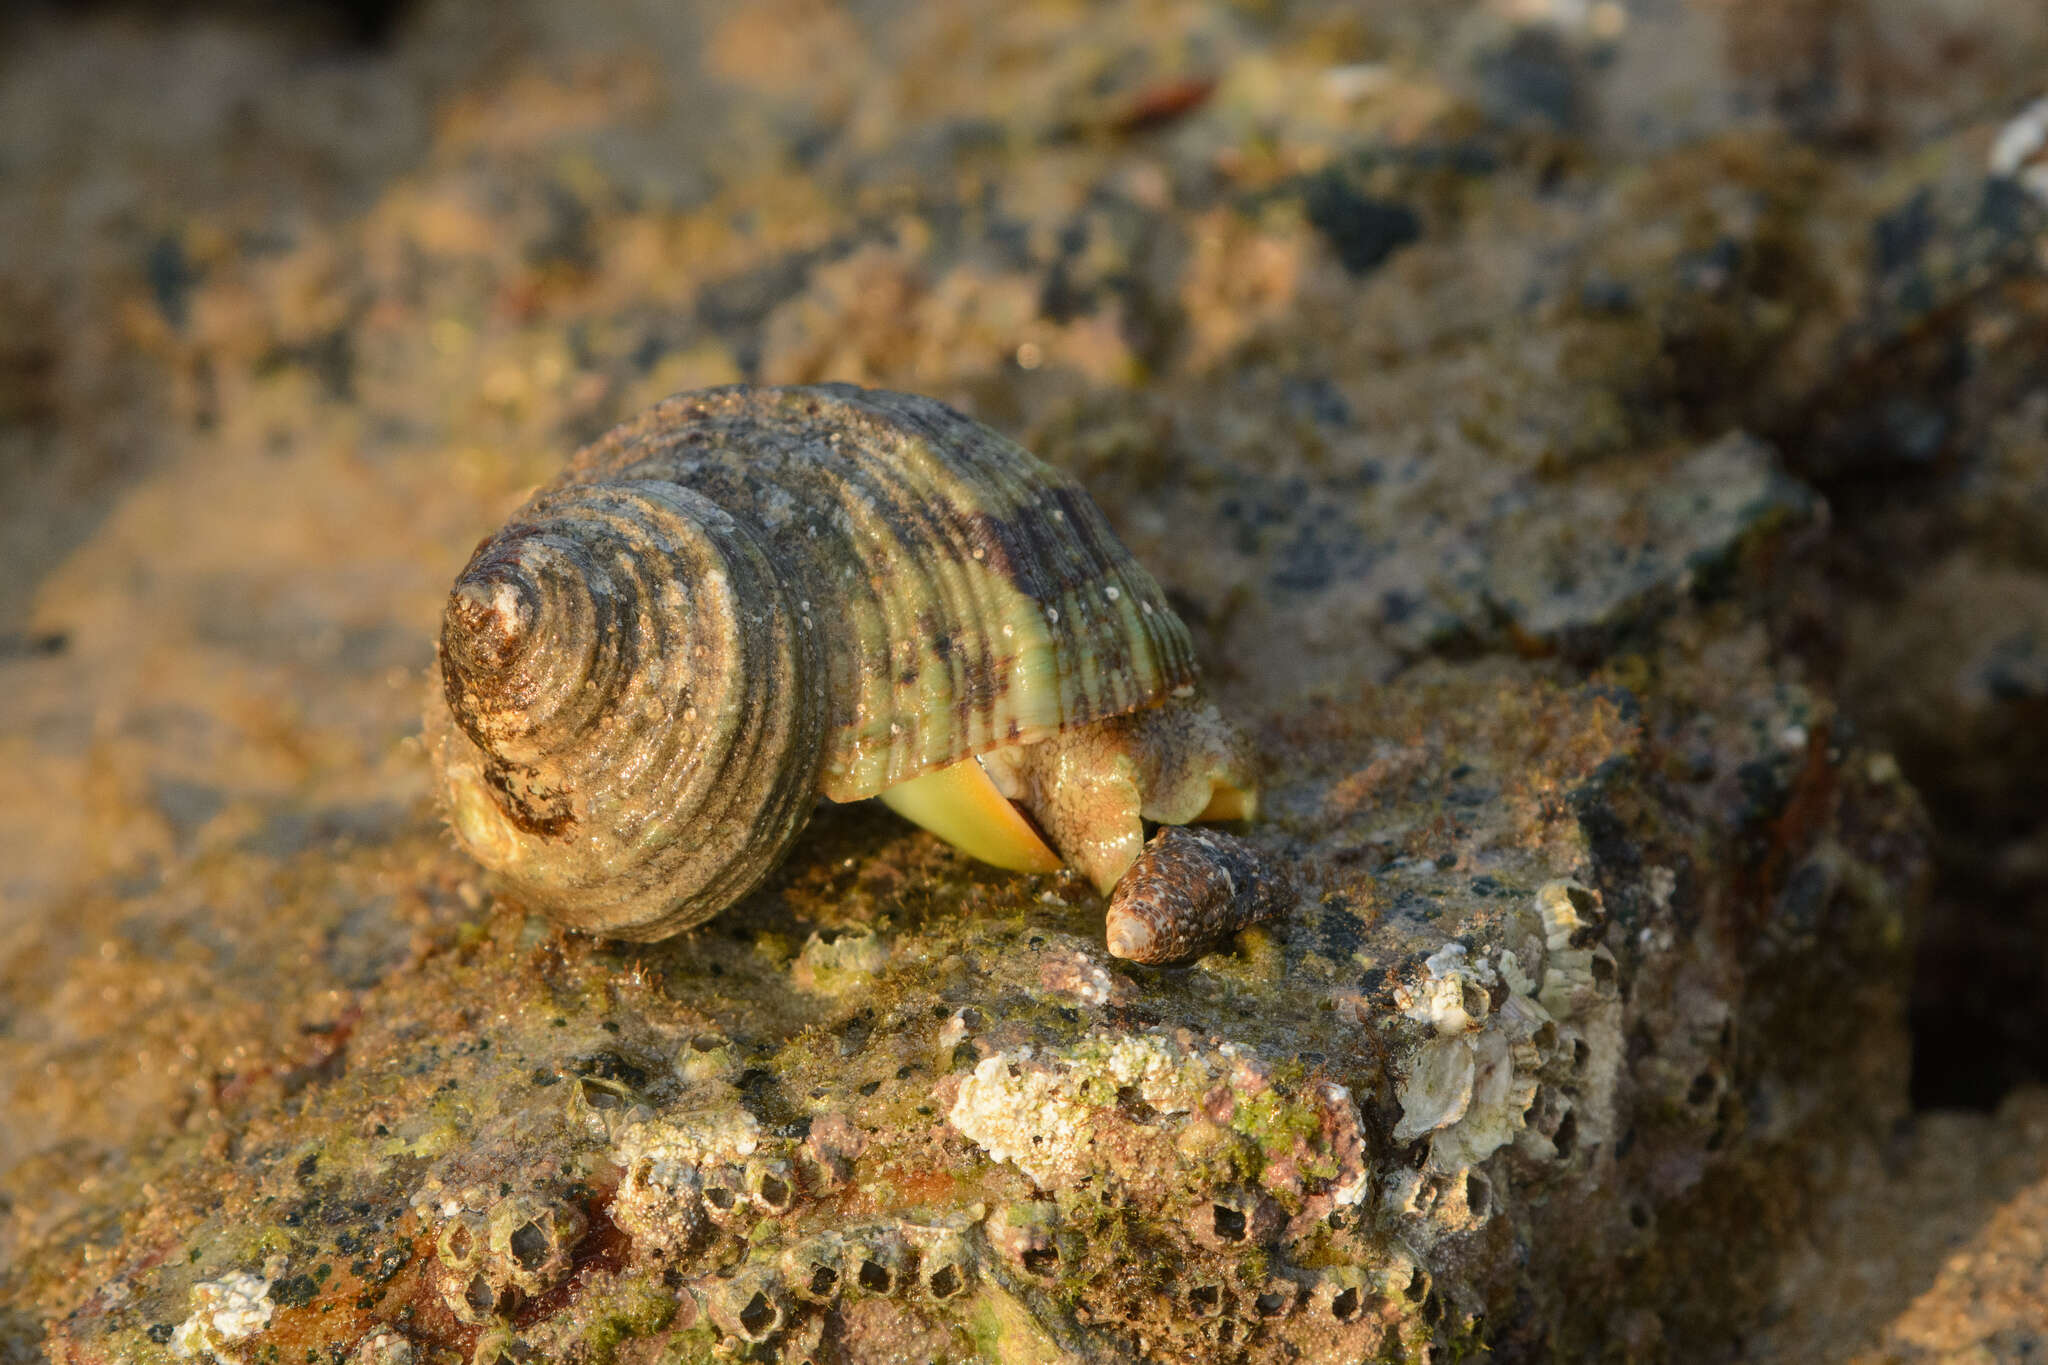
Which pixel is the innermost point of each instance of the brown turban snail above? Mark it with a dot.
(748, 598)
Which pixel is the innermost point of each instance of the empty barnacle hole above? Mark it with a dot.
(724, 1192)
(1606, 972)
(1023, 1234)
(1566, 1138)
(771, 1183)
(879, 1264)
(1228, 1223)
(1341, 1293)
(759, 1317)
(602, 1094)
(477, 1298)
(1478, 1193)
(529, 1246)
(461, 1241)
(749, 1306)
(533, 1240)
(1277, 1299)
(1574, 1051)
(1233, 1220)
(1572, 914)
(1727, 1114)
(1410, 1282)
(814, 1268)
(603, 1104)
(1204, 1300)
(707, 1057)
(945, 1282)
(1702, 1090)
(946, 1268)
(1551, 1128)
(1130, 1102)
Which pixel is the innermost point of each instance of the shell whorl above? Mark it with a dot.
(636, 710)
(747, 598)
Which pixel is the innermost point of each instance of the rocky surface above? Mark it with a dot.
(1598, 449)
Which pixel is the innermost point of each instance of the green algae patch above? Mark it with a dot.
(626, 1309)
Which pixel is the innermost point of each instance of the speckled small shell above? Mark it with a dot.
(1189, 890)
(746, 598)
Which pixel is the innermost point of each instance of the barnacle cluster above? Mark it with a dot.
(681, 1177)
(495, 1259)
(1522, 1049)
(737, 1217)
(681, 1193)
(1112, 1103)
(1253, 1163)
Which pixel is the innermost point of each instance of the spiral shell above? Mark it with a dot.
(1188, 890)
(748, 598)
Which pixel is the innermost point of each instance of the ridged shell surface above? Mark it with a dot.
(746, 598)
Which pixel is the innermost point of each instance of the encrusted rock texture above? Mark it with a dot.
(1600, 450)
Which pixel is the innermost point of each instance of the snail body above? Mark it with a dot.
(748, 598)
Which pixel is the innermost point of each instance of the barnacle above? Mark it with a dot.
(679, 1176)
(945, 1269)
(533, 1240)
(814, 1268)
(746, 599)
(877, 1260)
(749, 1306)
(1022, 1234)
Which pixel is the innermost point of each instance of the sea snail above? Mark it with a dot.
(748, 598)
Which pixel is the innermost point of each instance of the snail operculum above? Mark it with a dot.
(749, 598)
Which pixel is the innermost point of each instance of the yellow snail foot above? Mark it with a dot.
(961, 805)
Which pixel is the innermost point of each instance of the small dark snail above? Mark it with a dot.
(745, 599)
(1188, 890)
